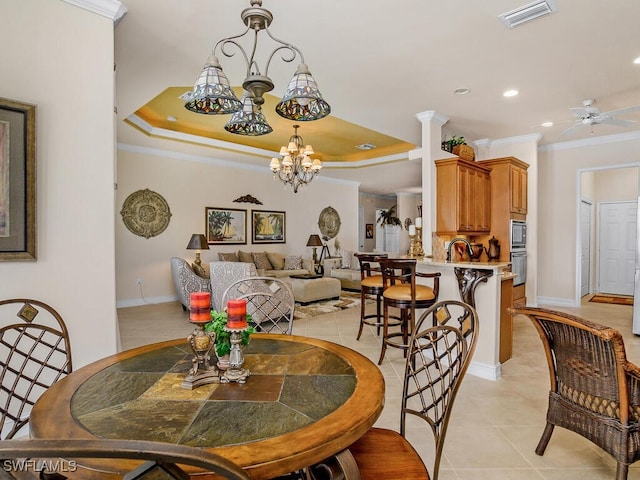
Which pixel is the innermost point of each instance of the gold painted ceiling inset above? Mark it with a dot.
(333, 139)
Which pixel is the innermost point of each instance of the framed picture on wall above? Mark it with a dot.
(268, 226)
(369, 230)
(17, 180)
(225, 226)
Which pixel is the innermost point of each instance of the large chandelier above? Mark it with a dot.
(296, 168)
(212, 93)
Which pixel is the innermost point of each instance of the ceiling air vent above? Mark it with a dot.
(528, 12)
(366, 146)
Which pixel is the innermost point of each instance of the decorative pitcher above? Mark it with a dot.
(494, 249)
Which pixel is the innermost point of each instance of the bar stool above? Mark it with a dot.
(371, 284)
(401, 291)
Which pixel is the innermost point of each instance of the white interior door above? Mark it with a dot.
(585, 247)
(616, 247)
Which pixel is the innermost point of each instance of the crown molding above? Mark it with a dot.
(113, 9)
(589, 142)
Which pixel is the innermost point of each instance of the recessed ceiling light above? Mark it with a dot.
(171, 118)
(461, 91)
(366, 146)
(637, 61)
(547, 124)
(510, 93)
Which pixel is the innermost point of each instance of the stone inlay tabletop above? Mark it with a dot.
(291, 385)
(306, 399)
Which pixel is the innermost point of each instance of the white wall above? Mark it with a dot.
(190, 183)
(60, 57)
(559, 177)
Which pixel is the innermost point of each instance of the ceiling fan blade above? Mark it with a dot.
(571, 128)
(621, 111)
(617, 122)
(580, 112)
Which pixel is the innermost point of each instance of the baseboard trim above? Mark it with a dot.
(560, 302)
(486, 371)
(136, 302)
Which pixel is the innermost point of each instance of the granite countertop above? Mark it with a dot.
(495, 266)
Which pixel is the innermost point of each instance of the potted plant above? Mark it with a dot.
(454, 141)
(223, 338)
(389, 217)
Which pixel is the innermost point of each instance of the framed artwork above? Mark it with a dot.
(268, 226)
(225, 226)
(369, 230)
(17, 180)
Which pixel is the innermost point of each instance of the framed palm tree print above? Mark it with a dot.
(226, 226)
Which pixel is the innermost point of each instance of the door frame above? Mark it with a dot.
(578, 240)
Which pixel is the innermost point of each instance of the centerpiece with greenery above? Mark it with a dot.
(223, 337)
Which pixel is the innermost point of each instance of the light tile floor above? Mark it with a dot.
(495, 425)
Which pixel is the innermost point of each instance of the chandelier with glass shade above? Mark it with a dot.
(212, 93)
(296, 168)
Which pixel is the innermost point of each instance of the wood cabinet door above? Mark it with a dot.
(518, 190)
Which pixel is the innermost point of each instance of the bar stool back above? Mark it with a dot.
(401, 291)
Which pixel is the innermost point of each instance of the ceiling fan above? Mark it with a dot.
(590, 115)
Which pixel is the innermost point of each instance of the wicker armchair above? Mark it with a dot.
(595, 391)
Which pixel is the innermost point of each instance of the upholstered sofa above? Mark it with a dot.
(271, 264)
(346, 269)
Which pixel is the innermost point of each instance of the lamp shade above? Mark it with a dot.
(303, 101)
(212, 94)
(314, 241)
(198, 242)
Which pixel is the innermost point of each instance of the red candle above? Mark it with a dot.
(200, 307)
(237, 313)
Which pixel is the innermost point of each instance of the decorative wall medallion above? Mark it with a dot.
(329, 223)
(145, 213)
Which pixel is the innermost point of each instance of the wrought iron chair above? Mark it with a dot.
(371, 284)
(402, 291)
(437, 360)
(34, 354)
(157, 457)
(595, 391)
(270, 303)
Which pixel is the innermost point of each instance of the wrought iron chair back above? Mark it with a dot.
(440, 352)
(270, 303)
(437, 360)
(25, 458)
(34, 354)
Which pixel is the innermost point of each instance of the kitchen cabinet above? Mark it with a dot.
(509, 184)
(463, 197)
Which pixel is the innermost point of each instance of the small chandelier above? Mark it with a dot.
(213, 95)
(296, 168)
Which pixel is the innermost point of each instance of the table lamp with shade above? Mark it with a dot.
(315, 242)
(198, 242)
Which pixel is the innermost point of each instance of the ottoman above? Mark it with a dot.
(313, 289)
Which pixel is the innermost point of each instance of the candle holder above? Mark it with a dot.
(235, 372)
(202, 372)
(415, 247)
(412, 245)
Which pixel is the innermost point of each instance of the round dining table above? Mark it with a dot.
(305, 400)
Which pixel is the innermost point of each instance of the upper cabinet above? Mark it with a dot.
(509, 183)
(463, 197)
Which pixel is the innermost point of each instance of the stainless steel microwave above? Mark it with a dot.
(518, 235)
